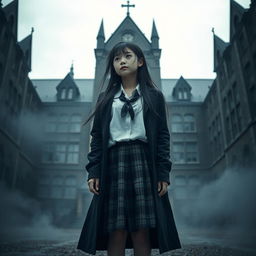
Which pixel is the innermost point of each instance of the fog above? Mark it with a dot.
(22, 218)
(225, 206)
(225, 209)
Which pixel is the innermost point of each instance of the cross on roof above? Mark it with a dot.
(128, 5)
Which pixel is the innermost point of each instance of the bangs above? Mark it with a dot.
(121, 49)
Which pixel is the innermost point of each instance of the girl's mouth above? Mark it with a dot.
(122, 68)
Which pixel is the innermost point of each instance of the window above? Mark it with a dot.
(63, 123)
(51, 124)
(63, 94)
(60, 152)
(176, 124)
(73, 154)
(70, 93)
(185, 152)
(180, 94)
(48, 152)
(178, 152)
(75, 123)
(189, 123)
(191, 152)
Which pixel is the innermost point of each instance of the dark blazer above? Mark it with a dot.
(164, 236)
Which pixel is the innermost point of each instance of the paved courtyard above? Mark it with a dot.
(193, 244)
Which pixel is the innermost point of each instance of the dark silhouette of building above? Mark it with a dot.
(19, 107)
(212, 121)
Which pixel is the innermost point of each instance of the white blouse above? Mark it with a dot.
(123, 129)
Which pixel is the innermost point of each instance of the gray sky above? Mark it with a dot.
(66, 30)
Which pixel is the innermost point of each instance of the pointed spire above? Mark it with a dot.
(26, 47)
(154, 31)
(154, 37)
(101, 33)
(72, 70)
(101, 36)
(219, 47)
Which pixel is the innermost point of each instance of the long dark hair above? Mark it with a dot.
(114, 83)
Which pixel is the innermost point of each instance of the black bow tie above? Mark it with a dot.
(127, 107)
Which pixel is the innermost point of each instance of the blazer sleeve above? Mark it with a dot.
(163, 162)
(93, 167)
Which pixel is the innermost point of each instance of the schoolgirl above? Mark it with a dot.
(129, 162)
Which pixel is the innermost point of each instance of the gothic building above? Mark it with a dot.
(20, 106)
(212, 121)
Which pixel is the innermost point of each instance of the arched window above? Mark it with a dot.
(63, 94)
(180, 94)
(70, 93)
(189, 123)
(176, 123)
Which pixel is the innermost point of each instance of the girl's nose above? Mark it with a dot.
(122, 60)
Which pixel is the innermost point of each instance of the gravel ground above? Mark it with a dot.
(56, 248)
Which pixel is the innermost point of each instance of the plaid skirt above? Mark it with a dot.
(129, 200)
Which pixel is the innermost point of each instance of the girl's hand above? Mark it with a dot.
(162, 187)
(94, 185)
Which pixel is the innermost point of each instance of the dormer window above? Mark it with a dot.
(182, 90)
(63, 94)
(70, 93)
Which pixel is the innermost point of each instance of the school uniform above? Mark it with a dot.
(129, 166)
(129, 202)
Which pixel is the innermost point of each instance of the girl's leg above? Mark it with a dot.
(116, 243)
(141, 242)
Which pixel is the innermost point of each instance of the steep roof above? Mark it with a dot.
(128, 25)
(219, 48)
(26, 46)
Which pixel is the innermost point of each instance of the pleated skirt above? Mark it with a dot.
(129, 200)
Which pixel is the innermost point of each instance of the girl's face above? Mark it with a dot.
(126, 63)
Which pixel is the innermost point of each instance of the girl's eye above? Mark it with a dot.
(128, 55)
(116, 58)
